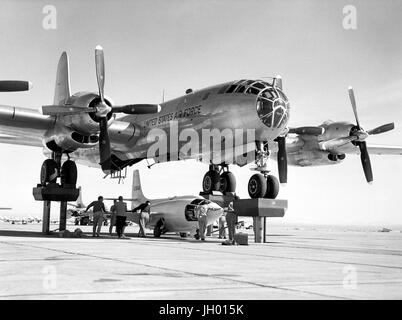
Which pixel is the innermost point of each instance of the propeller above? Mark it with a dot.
(359, 135)
(102, 111)
(282, 159)
(14, 85)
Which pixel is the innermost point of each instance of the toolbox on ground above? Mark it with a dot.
(241, 238)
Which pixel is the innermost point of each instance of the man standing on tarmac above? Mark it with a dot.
(231, 220)
(120, 209)
(112, 217)
(99, 210)
(144, 210)
(202, 220)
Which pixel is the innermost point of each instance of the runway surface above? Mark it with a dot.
(297, 263)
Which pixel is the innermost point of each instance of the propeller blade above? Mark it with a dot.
(100, 70)
(53, 110)
(104, 146)
(365, 159)
(137, 108)
(332, 145)
(382, 129)
(14, 85)
(353, 102)
(313, 131)
(282, 160)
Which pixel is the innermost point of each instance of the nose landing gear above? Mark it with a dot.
(263, 184)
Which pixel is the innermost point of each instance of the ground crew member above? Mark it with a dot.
(112, 217)
(231, 220)
(144, 209)
(202, 220)
(222, 226)
(99, 210)
(121, 215)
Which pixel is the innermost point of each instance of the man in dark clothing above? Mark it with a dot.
(144, 210)
(99, 210)
(121, 215)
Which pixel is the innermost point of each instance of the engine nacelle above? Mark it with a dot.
(64, 139)
(335, 130)
(85, 123)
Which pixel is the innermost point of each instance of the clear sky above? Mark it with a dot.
(173, 45)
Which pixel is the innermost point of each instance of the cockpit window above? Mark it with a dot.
(240, 89)
(197, 201)
(231, 88)
(189, 212)
(254, 87)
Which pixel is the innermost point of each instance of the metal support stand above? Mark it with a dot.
(55, 192)
(258, 228)
(63, 216)
(46, 217)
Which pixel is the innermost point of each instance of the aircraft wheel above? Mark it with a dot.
(69, 173)
(227, 182)
(48, 172)
(257, 186)
(211, 181)
(272, 187)
(183, 234)
(158, 229)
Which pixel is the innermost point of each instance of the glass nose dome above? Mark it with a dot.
(272, 107)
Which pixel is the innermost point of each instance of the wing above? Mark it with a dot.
(23, 126)
(373, 149)
(382, 149)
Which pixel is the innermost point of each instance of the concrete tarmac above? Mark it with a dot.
(297, 263)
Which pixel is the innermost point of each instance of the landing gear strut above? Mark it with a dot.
(262, 185)
(219, 178)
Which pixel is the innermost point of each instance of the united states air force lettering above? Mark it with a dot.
(184, 113)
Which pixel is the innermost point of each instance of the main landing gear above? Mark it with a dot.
(52, 169)
(219, 178)
(49, 189)
(260, 185)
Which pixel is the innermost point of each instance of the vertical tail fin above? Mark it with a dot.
(80, 203)
(62, 90)
(136, 192)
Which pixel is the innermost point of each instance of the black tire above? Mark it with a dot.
(158, 229)
(69, 173)
(227, 182)
(210, 182)
(257, 186)
(272, 187)
(183, 234)
(48, 172)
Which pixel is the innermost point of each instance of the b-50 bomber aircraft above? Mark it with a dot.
(84, 127)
